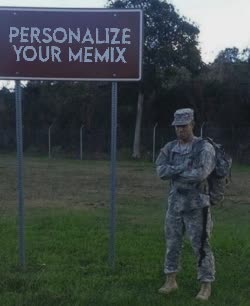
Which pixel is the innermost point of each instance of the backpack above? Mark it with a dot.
(221, 175)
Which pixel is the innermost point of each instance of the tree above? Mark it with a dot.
(7, 109)
(229, 55)
(170, 43)
(66, 105)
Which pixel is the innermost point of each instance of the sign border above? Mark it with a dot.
(54, 9)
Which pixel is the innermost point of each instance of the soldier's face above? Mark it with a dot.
(184, 132)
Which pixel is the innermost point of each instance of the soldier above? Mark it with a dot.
(187, 162)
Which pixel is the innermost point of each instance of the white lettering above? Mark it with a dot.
(14, 32)
(113, 40)
(74, 57)
(112, 49)
(26, 51)
(55, 53)
(120, 55)
(73, 35)
(84, 38)
(64, 37)
(102, 57)
(46, 34)
(47, 53)
(107, 35)
(110, 36)
(34, 35)
(87, 54)
(125, 36)
(98, 41)
(18, 51)
(23, 34)
(88, 37)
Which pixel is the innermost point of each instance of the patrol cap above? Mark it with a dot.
(183, 116)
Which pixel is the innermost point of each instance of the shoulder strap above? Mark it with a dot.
(214, 144)
(198, 144)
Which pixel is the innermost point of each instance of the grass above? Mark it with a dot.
(67, 238)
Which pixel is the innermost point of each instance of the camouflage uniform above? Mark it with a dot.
(188, 202)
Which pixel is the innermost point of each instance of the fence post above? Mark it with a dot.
(154, 132)
(81, 128)
(201, 131)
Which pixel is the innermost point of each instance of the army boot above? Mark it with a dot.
(205, 292)
(170, 284)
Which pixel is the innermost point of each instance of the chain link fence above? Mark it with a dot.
(95, 143)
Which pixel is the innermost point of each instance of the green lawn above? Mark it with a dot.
(67, 238)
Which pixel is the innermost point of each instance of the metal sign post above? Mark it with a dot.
(19, 140)
(113, 176)
(49, 140)
(154, 132)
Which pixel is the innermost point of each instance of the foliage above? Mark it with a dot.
(173, 77)
(66, 104)
(7, 108)
(220, 94)
(170, 44)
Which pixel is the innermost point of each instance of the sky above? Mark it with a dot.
(222, 23)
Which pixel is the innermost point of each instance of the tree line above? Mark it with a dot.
(174, 76)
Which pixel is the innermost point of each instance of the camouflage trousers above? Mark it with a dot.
(192, 224)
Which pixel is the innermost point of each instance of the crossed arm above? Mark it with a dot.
(186, 172)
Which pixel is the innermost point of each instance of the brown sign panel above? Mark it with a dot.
(70, 44)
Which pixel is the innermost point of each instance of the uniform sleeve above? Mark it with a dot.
(164, 169)
(202, 167)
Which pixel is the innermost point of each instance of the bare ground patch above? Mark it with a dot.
(86, 184)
